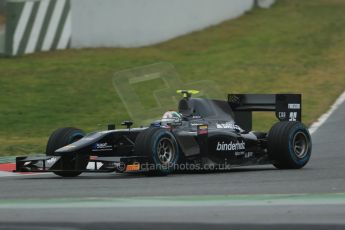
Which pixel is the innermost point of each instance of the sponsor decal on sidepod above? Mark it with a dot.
(102, 147)
(227, 125)
(232, 146)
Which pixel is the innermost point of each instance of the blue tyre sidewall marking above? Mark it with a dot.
(291, 151)
(74, 135)
(157, 137)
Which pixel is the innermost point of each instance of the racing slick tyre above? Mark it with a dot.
(60, 138)
(289, 145)
(162, 149)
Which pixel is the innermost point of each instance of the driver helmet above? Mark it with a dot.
(172, 116)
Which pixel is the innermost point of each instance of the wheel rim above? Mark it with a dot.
(165, 151)
(300, 145)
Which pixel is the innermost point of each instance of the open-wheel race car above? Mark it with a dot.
(202, 133)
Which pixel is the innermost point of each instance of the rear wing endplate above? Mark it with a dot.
(287, 107)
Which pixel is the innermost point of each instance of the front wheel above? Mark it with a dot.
(161, 148)
(289, 145)
(60, 138)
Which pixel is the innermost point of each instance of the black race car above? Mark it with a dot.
(203, 134)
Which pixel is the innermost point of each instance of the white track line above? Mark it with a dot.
(325, 116)
(11, 174)
(5, 174)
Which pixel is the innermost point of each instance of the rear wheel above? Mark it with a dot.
(162, 149)
(60, 138)
(289, 145)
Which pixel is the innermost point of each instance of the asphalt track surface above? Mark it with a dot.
(243, 198)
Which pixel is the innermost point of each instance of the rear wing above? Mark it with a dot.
(287, 107)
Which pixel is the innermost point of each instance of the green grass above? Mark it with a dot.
(296, 46)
